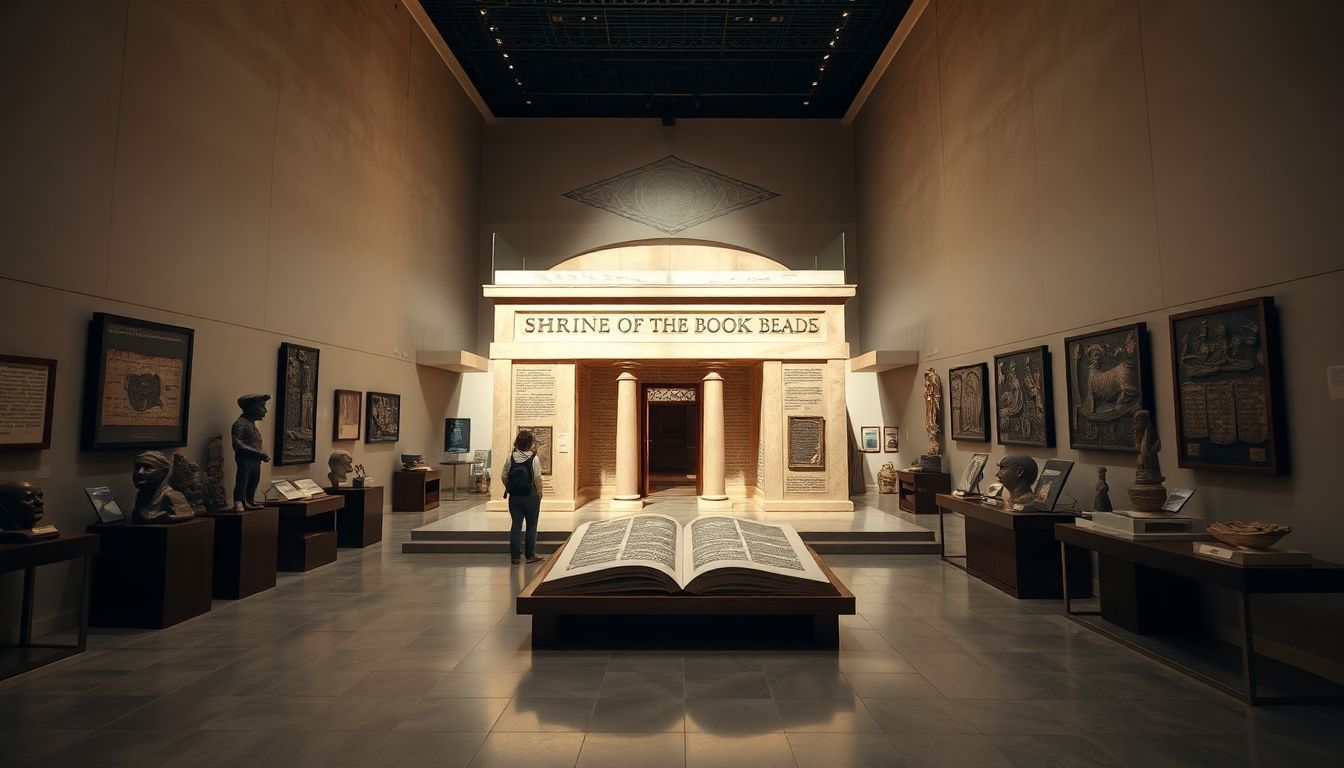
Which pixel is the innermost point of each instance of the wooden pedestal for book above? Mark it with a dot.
(307, 535)
(360, 522)
(547, 611)
(1016, 551)
(26, 557)
(152, 576)
(918, 490)
(415, 491)
(244, 552)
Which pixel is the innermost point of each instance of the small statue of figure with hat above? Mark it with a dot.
(247, 453)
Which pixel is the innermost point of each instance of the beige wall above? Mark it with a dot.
(1027, 171)
(258, 171)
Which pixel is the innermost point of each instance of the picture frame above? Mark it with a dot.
(105, 505)
(382, 417)
(1109, 377)
(1049, 484)
(542, 436)
(1024, 398)
(30, 387)
(968, 402)
(137, 384)
(970, 477)
(346, 415)
(456, 435)
(807, 443)
(296, 405)
(891, 439)
(870, 439)
(1227, 380)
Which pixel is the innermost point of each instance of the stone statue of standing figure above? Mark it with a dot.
(1147, 494)
(247, 453)
(933, 411)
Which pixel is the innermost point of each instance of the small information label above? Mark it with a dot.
(1211, 550)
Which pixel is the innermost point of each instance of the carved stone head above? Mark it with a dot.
(21, 506)
(341, 464)
(151, 469)
(254, 406)
(1017, 472)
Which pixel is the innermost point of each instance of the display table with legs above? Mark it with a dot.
(917, 490)
(1015, 551)
(152, 576)
(822, 613)
(415, 491)
(1151, 602)
(307, 535)
(244, 552)
(360, 522)
(26, 557)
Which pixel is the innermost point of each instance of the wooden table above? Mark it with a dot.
(917, 491)
(415, 491)
(1158, 578)
(245, 547)
(307, 535)
(1015, 551)
(152, 576)
(27, 556)
(360, 522)
(546, 610)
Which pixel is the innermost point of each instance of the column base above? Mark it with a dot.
(714, 504)
(625, 505)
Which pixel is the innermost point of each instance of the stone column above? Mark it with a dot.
(627, 444)
(715, 496)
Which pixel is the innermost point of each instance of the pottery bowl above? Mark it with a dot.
(1253, 535)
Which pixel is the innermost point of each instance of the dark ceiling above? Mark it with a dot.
(667, 58)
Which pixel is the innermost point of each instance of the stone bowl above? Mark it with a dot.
(1147, 498)
(1251, 535)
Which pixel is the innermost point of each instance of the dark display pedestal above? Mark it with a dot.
(307, 533)
(919, 490)
(26, 557)
(1127, 591)
(244, 552)
(360, 522)
(415, 491)
(152, 576)
(1016, 551)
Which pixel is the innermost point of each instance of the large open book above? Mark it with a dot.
(709, 556)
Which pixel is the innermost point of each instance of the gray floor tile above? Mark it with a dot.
(445, 714)
(830, 684)
(630, 684)
(769, 750)
(639, 715)
(739, 716)
(850, 750)
(547, 714)
(441, 749)
(921, 750)
(535, 750)
(727, 684)
(1026, 750)
(826, 716)
(621, 750)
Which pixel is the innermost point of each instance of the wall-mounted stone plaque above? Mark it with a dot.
(807, 443)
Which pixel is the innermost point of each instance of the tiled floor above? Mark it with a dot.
(385, 659)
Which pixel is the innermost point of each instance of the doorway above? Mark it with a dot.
(671, 439)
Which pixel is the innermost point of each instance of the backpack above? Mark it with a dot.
(519, 480)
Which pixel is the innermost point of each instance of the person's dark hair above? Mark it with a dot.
(523, 442)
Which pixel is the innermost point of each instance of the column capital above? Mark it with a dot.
(626, 376)
(712, 376)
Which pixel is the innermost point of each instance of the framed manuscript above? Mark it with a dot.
(807, 443)
(296, 405)
(27, 391)
(137, 384)
(1228, 386)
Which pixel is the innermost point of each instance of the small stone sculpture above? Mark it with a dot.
(361, 476)
(1148, 494)
(341, 464)
(414, 462)
(156, 500)
(886, 478)
(21, 511)
(933, 411)
(215, 499)
(1017, 472)
(247, 453)
(1102, 501)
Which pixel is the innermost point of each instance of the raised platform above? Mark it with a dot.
(866, 530)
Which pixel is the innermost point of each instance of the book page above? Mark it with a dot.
(647, 540)
(727, 542)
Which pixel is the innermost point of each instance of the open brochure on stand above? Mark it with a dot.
(713, 555)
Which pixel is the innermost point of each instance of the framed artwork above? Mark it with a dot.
(1109, 378)
(807, 443)
(870, 439)
(891, 439)
(296, 405)
(137, 384)
(1228, 386)
(1023, 401)
(345, 414)
(27, 393)
(975, 469)
(457, 435)
(105, 505)
(382, 420)
(968, 402)
(542, 436)
(1050, 484)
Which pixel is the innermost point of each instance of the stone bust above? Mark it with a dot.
(341, 463)
(1017, 472)
(156, 501)
(21, 506)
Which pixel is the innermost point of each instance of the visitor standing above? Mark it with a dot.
(522, 487)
